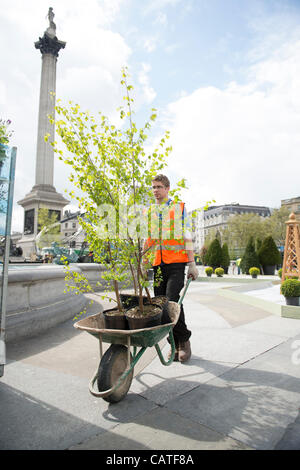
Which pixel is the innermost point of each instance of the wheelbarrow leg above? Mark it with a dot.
(173, 348)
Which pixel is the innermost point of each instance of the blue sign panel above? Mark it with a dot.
(7, 178)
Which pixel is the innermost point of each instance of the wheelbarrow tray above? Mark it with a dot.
(145, 337)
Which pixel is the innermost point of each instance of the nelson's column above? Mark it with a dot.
(43, 194)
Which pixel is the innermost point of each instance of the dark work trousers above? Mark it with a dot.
(170, 286)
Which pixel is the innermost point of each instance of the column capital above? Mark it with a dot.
(49, 44)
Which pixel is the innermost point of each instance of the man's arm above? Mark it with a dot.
(192, 271)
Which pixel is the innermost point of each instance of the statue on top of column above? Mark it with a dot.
(52, 26)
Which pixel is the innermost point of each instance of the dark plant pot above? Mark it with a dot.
(226, 270)
(150, 274)
(269, 270)
(115, 322)
(208, 275)
(131, 300)
(145, 320)
(292, 301)
(162, 302)
(254, 276)
(219, 275)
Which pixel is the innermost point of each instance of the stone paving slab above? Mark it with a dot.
(161, 384)
(161, 429)
(49, 409)
(254, 403)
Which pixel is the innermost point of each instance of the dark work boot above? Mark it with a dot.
(176, 354)
(184, 352)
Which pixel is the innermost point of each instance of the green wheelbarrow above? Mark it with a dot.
(115, 372)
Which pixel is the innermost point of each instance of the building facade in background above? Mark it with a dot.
(293, 204)
(215, 219)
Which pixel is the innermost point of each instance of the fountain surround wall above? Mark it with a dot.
(36, 299)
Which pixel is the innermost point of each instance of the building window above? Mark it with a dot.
(29, 222)
(66, 234)
(66, 225)
(74, 225)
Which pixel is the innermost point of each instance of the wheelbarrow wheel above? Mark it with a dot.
(111, 367)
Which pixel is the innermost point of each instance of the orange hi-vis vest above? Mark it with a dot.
(167, 248)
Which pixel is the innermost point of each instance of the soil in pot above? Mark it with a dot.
(137, 320)
(131, 300)
(115, 320)
(292, 301)
(163, 302)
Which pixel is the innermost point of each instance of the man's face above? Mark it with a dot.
(160, 191)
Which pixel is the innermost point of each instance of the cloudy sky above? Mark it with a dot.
(223, 74)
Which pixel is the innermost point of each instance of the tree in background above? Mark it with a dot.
(250, 258)
(214, 254)
(241, 227)
(48, 227)
(225, 258)
(268, 253)
(203, 253)
(275, 225)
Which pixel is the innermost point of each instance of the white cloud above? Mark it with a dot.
(241, 143)
(143, 78)
(161, 19)
(150, 44)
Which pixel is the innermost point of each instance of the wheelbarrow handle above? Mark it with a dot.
(184, 291)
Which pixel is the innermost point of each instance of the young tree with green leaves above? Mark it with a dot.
(114, 171)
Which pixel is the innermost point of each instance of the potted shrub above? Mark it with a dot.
(219, 272)
(209, 271)
(269, 256)
(254, 272)
(280, 273)
(290, 288)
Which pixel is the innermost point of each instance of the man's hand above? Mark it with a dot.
(192, 271)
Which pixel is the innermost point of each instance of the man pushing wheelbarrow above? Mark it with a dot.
(172, 251)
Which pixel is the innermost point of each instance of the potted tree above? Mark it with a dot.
(250, 257)
(290, 288)
(225, 258)
(269, 256)
(114, 172)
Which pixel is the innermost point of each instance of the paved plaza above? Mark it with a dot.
(240, 390)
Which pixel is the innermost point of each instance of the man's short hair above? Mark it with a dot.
(162, 179)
